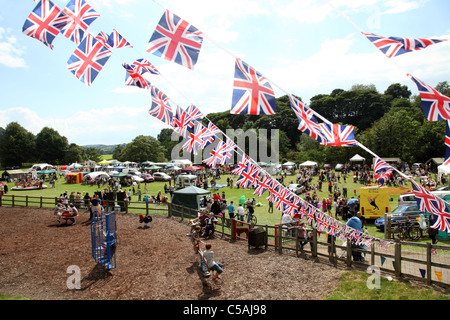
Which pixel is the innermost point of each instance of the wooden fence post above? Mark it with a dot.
(315, 236)
(428, 263)
(398, 259)
(280, 239)
(349, 253)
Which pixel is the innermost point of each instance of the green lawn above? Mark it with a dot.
(352, 284)
(261, 210)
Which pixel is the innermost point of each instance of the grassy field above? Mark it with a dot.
(261, 209)
(352, 285)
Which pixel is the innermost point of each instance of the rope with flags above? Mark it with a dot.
(177, 40)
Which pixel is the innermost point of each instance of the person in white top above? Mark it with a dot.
(240, 212)
(208, 255)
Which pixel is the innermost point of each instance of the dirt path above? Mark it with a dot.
(157, 263)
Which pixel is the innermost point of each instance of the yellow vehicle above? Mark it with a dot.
(374, 202)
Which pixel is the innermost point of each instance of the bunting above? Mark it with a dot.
(78, 15)
(307, 122)
(88, 59)
(395, 46)
(338, 135)
(249, 176)
(432, 204)
(252, 92)
(160, 108)
(134, 78)
(435, 105)
(176, 40)
(44, 23)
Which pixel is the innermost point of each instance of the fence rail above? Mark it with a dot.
(419, 261)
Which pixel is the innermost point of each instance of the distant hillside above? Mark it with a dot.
(102, 148)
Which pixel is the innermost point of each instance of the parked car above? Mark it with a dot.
(401, 213)
(147, 177)
(407, 199)
(295, 188)
(161, 176)
(327, 166)
(442, 188)
(339, 167)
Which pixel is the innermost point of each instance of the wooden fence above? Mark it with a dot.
(420, 261)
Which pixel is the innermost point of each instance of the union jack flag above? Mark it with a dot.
(116, 40)
(311, 215)
(338, 135)
(434, 205)
(333, 227)
(211, 131)
(307, 122)
(197, 139)
(383, 177)
(134, 78)
(182, 122)
(194, 112)
(252, 93)
(103, 38)
(302, 212)
(395, 46)
(242, 165)
(293, 206)
(79, 15)
(324, 223)
(228, 151)
(216, 156)
(319, 218)
(88, 59)
(221, 154)
(143, 66)
(44, 23)
(283, 198)
(435, 105)
(447, 144)
(248, 176)
(263, 185)
(274, 191)
(160, 108)
(176, 40)
(136, 71)
(380, 165)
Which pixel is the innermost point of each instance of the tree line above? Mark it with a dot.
(391, 124)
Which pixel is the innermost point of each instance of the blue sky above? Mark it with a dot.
(304, 47)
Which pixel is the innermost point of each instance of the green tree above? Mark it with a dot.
(143, 148)
(17, 145)
(396, 134)
(51, 146)
(165, 139)
(73, 154)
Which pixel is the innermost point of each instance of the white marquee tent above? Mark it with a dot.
(308, 164)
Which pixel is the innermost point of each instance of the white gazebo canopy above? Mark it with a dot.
(357, 157)
(308, 164)
(444, 169)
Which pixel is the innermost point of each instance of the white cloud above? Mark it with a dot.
(10, 52)
(118, 124)
(336, 65)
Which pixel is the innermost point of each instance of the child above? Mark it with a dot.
(212, 265)
(195, 238)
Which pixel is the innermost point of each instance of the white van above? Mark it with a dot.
(185, 180)
(409, 199)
